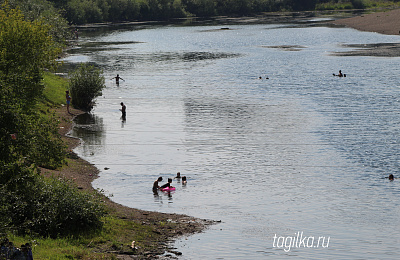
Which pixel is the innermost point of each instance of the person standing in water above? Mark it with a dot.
(123, 110)
(155, 184)
(68, 98)
(117, 78)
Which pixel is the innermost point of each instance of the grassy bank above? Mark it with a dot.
(151, 231)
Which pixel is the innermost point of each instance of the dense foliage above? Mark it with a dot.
(44, 11)
(25, 49)
(85, 83)
(29, 139)
(90, 11)
(48, 206)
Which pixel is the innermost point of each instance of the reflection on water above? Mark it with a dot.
(89, 128)
(300, 152)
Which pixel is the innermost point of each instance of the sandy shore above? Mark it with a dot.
(383, 22)
(83, 173)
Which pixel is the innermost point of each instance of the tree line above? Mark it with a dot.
(94, 11)
(90, 11)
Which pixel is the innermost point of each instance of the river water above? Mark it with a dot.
(294, 166)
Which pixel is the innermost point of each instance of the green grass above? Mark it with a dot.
(55, 87)
(58, 249)
(116, 235)
(54, 91)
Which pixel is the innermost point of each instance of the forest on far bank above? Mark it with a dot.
(77, 12)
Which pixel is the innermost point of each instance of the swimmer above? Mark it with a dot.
(340, 74)
(184, 181)
(391, 177)
(178, 175)
(168, 184)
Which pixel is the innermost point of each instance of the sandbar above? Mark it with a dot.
(387, 22)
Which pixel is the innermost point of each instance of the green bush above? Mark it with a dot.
(86, 83)
(358, 4)
(47, 206)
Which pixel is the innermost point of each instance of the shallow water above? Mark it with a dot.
(302, 152)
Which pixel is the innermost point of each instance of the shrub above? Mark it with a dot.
(86, 83)
(358, 4)
(47, 206)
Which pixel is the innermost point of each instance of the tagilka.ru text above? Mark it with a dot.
(299, 240)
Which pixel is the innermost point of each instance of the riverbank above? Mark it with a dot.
(151, 231)
(387, 22)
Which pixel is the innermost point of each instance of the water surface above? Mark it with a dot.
(302, 151)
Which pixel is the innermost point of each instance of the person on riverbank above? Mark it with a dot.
(68, 98)
(156, 185)
(123, 110)
(117, 78)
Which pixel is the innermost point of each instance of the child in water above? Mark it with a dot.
(168, 184)
(184, 180)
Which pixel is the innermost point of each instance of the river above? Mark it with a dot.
(294, 166)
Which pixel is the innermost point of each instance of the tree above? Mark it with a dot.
(86, 83)
(44, 11)
(28, 201)
(26, 48)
